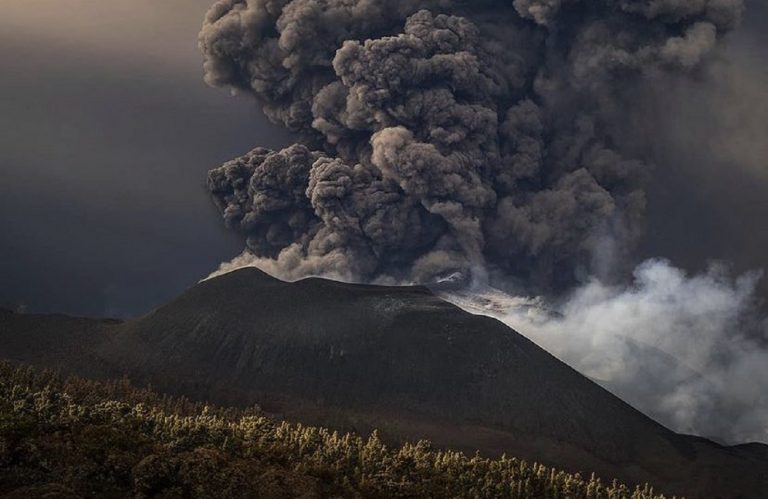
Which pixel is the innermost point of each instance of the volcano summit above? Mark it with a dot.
(394, 358)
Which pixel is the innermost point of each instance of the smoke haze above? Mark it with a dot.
(707, 198)
(681, 348)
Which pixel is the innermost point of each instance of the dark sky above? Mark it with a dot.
(709, 198)
(107, 132)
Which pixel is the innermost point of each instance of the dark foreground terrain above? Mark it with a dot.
(68, 438)
(398, 359)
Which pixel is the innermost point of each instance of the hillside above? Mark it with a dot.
(398, 359)
(73, 438)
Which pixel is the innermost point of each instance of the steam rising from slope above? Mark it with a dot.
(680, 348)
(446, 136)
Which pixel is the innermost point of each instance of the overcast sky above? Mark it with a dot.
(107, 132)
(709, 198)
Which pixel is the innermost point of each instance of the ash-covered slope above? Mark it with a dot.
(394, 358)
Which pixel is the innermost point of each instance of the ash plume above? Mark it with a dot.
(446, 137)
(513, 143)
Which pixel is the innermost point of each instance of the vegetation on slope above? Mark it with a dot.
(70, 437)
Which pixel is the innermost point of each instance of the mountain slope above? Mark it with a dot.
(395, 358)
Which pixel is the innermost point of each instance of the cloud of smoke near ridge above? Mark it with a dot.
(446, 136)
(500, 138)
(679, 347)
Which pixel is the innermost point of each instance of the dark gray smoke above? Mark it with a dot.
(515, 141)
(447, 137)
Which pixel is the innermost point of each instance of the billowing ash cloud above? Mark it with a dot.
(455, 140)
(445, 136)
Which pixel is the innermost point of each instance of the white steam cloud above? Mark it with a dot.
(681, 348)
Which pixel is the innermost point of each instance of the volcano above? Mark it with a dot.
(398, 359)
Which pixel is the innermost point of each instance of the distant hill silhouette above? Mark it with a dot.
(394, 358)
